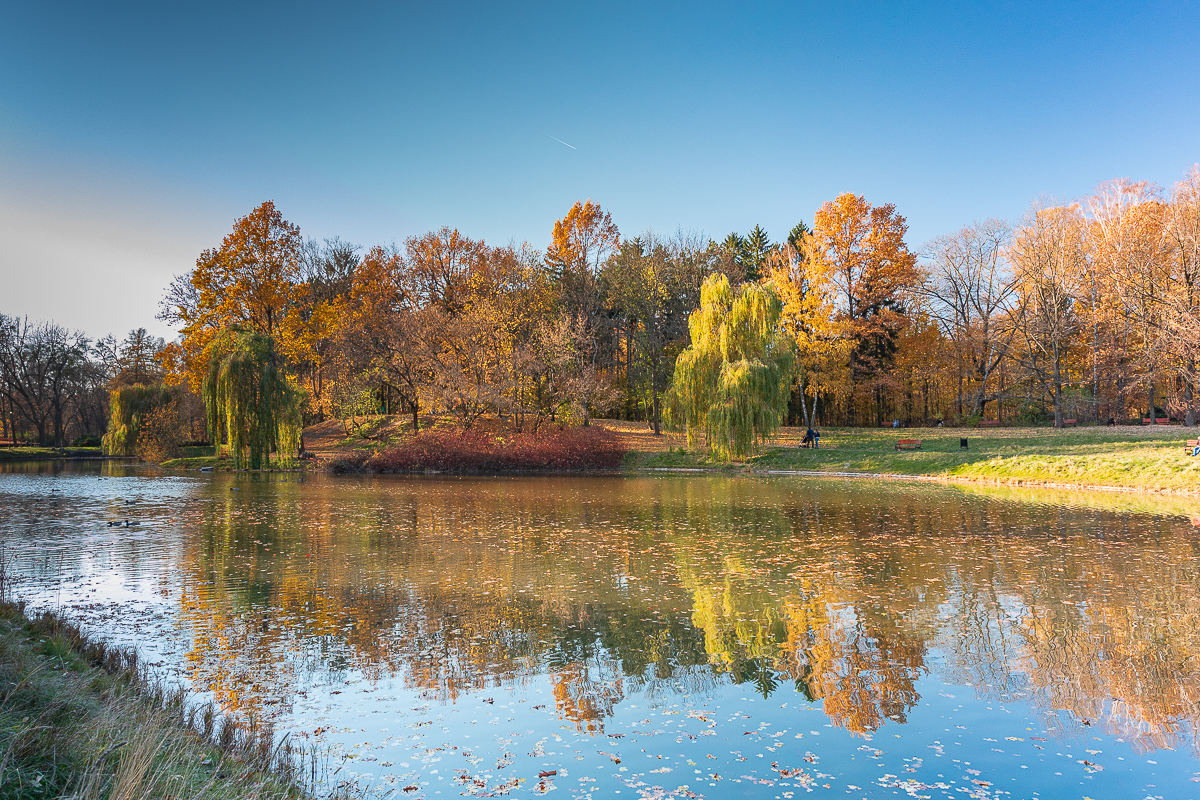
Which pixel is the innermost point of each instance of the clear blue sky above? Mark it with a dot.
(132, 135)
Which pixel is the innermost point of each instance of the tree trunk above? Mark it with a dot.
(1058, 414)
(1189, 418)
(58, 426)
(656, 411)
(961, 381)
(851, 409)
(1153, 418)
(803, 405)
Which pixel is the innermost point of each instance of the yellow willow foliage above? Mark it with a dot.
(129, 407)
(248, 394)
(733, 381)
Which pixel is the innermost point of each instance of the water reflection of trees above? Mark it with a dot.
(616, 586)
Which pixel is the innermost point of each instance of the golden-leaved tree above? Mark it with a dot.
(580, 243)
(249, 282)
(861, 247)
(1130, 247)
(1049, 255)
(1182, 315)
(802, 280)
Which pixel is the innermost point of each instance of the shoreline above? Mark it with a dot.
(716, 469)
(80, 715)
(41, 454)
(1030, 483)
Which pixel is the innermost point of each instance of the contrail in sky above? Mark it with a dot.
(560, 141)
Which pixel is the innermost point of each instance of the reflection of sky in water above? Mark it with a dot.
(649, 636)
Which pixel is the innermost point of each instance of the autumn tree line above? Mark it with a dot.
(56, 384)
(1087, 310)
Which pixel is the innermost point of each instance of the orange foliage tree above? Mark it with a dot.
(862, 247)
(248, 282)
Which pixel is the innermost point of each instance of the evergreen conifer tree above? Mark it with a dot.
(758, 246)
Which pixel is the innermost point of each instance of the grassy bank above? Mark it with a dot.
(36, 453)
(1144, 459)
(1133, 458)
(203, 458)
(81, 720)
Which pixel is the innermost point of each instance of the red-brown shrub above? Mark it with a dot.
(551, 448)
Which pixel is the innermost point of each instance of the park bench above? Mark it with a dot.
(988, 423)
(1192, 447)
(1071, 422)
(1159, 420)
(908, 444)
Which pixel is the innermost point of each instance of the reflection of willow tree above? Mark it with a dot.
(828, 616)
(250, 399)
(841, 593)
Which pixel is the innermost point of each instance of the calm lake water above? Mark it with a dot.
(649, 636)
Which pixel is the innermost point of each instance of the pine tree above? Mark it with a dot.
(758, 247)
(733, 257)
(796, 236)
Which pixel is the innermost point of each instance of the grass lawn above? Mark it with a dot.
(1130, 457)
(222, 464)
(1133, 457)
(36, 453)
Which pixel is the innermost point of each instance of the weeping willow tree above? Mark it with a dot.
(734, 380)
(128, 408)
(250, 401)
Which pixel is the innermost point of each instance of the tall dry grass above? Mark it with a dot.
(87, 721)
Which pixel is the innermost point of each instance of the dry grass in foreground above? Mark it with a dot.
(82, 720)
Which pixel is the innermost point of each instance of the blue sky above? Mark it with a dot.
(132, 135)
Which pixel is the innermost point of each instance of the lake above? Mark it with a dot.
(661, 636)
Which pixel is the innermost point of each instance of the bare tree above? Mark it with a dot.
(1181, 315)
(1132, 250)
(40, 367)
(969, 287)
(1048, 255)
(565, 355)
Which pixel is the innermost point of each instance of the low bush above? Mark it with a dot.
(348, 463)
(551, 449)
